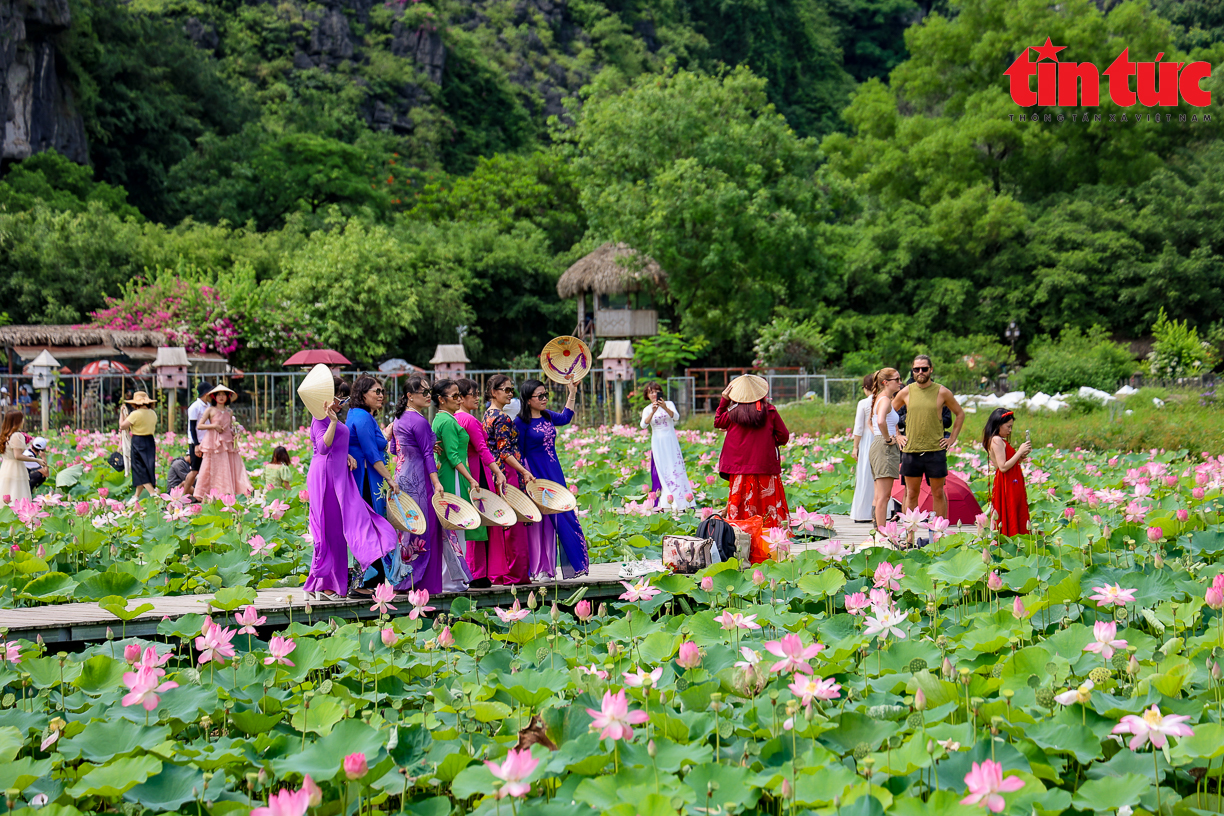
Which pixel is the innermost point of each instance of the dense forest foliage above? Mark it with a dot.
(834, 181)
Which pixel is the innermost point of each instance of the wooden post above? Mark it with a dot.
(620, 391)
(172, 407)
(45, 402)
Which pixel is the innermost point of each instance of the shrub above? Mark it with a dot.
(1178, 351)
(785, 343)
(1076, 358)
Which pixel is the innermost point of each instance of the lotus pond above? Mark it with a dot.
(1075, 670)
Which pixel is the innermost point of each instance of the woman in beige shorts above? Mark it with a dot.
(886, 446)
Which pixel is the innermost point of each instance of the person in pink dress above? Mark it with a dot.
(222, 472)
(483, 465)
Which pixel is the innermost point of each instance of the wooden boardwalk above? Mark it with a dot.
(86, 622)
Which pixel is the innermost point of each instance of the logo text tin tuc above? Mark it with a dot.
(1070, 84)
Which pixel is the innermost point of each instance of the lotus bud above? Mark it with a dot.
(920, 700)
(1158, 560)
(583, 610)
(389, 637)
(985, 555)
(966, 676)
(993, 582)
(554, 613)
(131, 652)
(1216, 672)
(613, 648)
(446, 639)
(946, 669)
(39, 640)
(707, 583)
(355, 766)
(262, 777)
(110, 633)
(313, 790)
(532, 603)
(651, 749)
(1132, 666)
(307, 609)
(513, 591)
(787, 791)
(758, 578)
(603, 610)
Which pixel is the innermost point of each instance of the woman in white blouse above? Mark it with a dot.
(886, 447)
(668, 476)
(864, 482)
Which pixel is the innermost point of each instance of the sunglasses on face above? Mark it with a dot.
(921, 369)
(378, 392)
(506, 390)
(543, 396)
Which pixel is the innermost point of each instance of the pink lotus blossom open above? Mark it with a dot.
(638, 678)
(885, 623)
(279, 649)
(419, 598)
(285, 802)
(1106, 642)
(886, 576)
(641, 591)
(514, 613)
(614, 718)
(248, 619)
(814, 688)
(1112, 595)
(144, 688)
(1154, 727)
(986, 782)
(215, 644)
(794, 654)
(737, 620)
(517, 766)
(856, 603)
(384, 594)
(1079, 695)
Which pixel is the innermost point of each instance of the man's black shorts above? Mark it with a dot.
(193, 460)
(932, 464)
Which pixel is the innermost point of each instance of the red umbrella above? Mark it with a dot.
(309, 357)
(962, 506)
(98, 367)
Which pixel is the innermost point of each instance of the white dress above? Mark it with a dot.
(675, 492)
(864, 481)
(14, 479)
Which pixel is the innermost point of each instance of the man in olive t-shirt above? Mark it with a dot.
(926, 448)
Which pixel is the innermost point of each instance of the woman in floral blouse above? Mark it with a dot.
(508, 555)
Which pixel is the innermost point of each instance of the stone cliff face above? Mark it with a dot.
(36, 100)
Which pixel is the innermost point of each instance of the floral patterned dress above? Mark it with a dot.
(538, 439)
(509, 557)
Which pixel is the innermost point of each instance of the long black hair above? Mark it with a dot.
(280, 456)
(527, 391)
(439, 390)
(416, 385)
(495, 382)
(361, 386)
(998, 418)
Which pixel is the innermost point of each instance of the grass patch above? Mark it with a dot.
(1181, 423)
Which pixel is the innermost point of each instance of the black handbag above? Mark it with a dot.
(716, 528)
(115, 460)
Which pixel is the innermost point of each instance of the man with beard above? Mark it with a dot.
(926, 448)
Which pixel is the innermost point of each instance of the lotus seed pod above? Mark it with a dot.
(966, 676)
(541, 654)
(914, 720)
(1099, 675)
(862, 750)
(1045, 697)
(1008, 694)
(916, 665)
(1118, 661)
(996, 670)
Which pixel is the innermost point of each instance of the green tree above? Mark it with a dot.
(702, 174)
(60, 184)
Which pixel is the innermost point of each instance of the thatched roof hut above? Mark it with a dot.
(77, 341)
(611, 269)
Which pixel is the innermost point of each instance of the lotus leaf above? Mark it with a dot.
(116, 778)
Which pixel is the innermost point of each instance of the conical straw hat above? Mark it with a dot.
(565, 359)
(551, 497)
(524, 508)
(454, 513)
(405, 514)
(748, 388)
(317, 391)
(492, 507)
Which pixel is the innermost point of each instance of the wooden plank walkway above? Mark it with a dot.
(86, 622)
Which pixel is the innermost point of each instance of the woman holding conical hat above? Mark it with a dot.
(141, 423)
(750, 460)
(222, 472)
(416, 562)
(340, 520)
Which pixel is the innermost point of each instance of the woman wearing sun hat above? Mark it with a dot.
(141, 423)
(222, 472)
(750, 460)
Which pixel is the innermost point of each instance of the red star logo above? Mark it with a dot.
(1047, 51)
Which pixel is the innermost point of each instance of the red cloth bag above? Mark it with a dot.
(754, 527)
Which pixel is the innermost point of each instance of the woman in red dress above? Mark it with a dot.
(1009, 497)
(750, 460)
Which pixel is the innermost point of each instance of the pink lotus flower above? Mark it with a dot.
(737, 620)
(10, 653)
(151, 660)
(1198, 493)
(689, 656)
(707, 583)
(794, 654)
(1154, 534)
(986, 782)
(993, 582)
(29, 513)
(103, 492)
(1018, 609)
(805, 521)
(82, 508)
(1214, 596)
(886, 576)
(1079, 695)
(779, 542)
(1153, 727)
(388, 636)
(751, 658)
(710, 478)
(419, 598)
(913, 520)
(582, 610)
(384, 594)
(1112, 595)
(614, 717)
(355, 766)
(641, 591)
(258, 545)
(515, 613)
(814, 688)
(248, 620)
(279, 649)
(856, 603)
(594, 671)
(143, 688)
(303, 496)
(885, 623)
(286, 802)
(215, 644)
(313, 791)
(981, 523)
(131, 653)
(638, 678)
(517, 767)
(936, 526)
(1104, 632)
(1068, 513)
(445, 638)
(275, 509)
(758, 578)
(1182, 514)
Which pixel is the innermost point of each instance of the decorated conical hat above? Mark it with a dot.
(454, 513)
(405, 514)
(565, 359)
(492, 507)
(524, 508)
(748, 388)
(317, 391)
(551, 497)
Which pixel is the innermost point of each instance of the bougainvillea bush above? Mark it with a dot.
(1072, 671)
